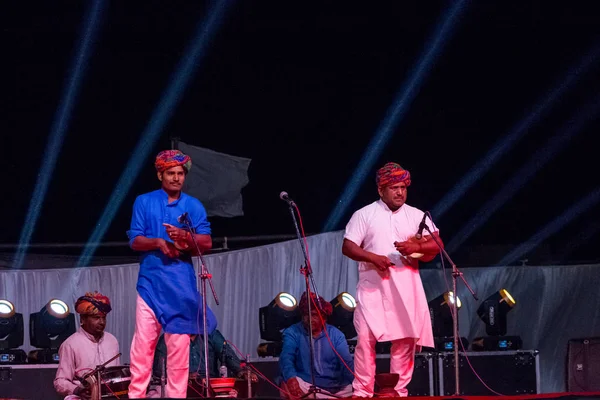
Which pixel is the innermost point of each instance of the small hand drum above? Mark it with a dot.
(420, 256)
(115, 383)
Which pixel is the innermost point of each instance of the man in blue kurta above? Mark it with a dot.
(168, 298)
(333, 372)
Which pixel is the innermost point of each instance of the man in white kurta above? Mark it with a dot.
(391, 301)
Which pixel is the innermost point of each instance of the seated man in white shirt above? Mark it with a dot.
(87, 348)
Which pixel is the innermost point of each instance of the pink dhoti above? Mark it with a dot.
(402, 355)
(391, 307)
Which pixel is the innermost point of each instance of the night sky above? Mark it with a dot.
(300, 88)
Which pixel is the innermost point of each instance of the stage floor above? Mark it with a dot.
(31, 382)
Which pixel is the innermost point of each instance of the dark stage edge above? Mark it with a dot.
(566, 396)
(548, 396)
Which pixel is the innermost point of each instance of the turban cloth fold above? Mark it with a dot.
(93, 304)
(172, 158)
(391, 174)
(325, 307)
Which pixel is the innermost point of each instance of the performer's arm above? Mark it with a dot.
(341, 346)
(184, 239)
(287, 362)
(357, 253)
(204, 242)
(64, 382)
(287, 358)
(142, 243)
(427, 247)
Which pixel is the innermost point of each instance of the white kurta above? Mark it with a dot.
(393, 302)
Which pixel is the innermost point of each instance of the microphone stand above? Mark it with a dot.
(306, 270)
(248, 377)
(204, 276)
(455, 275)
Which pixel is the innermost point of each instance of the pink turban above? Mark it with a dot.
(172, 158)
(391, 174)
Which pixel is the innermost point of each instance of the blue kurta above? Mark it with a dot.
(330, 373)
(168, 285)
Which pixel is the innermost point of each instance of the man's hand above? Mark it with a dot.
(294, 387)
(381, 262)
(244, 375)
(85, 392)
(408, 248)
(167, 248)
(176, 234)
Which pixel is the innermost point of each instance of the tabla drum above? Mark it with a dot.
(115, 383)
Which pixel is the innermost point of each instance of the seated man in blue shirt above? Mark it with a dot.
(331, 375)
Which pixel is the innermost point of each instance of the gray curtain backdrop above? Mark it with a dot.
(554, 303)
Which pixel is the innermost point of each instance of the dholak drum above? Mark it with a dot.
(115, 383)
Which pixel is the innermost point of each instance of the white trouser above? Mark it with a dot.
(145, 338)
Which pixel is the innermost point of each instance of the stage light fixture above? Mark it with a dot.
(440, 310)
(342, 316)
(48, 328)
(11, 334)
(279, 314)
(493, 312)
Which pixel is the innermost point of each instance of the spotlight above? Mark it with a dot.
(493, 312)
(440, 310)
(281, 312)
(48, 329)
(11, 334)
(342, 316)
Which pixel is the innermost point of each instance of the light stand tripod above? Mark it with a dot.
(306, 270)
(455, 275)
(204, 276)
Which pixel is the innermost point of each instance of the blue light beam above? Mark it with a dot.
(580, 238)
(557, 143)
(502, 146)
(551, 228)
(59, 127)
(182, 75)
(395, 113)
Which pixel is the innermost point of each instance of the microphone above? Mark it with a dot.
(182, 219)
(422, 225)
(285, 197)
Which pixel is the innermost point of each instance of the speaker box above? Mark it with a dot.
(506, 372)
(583, 365)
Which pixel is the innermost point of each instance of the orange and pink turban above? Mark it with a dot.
(391, 174)
(172, 158)
(93, 303)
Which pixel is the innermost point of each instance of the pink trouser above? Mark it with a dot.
(402, 359)
(145, 338)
